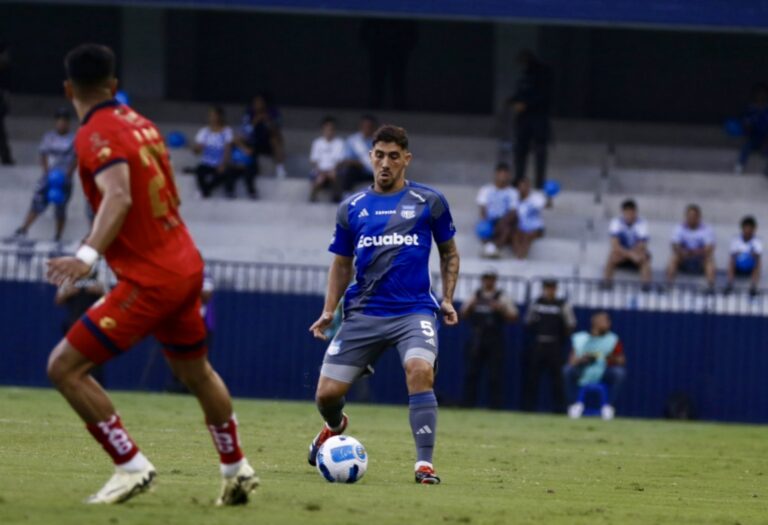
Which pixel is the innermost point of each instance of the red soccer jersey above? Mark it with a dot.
(153, 246)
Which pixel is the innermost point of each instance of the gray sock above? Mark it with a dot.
(333, 414)
(423, 417)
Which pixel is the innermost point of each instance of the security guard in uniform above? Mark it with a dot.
(549, 322)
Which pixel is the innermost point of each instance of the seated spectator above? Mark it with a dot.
(214, 145)
(746, 256)
(530, 225)
(498, 212)
(242, 166)
(629, 245)
(693, 248)
(326, 154)
(755, 124)
(597, 357)
(58, 162)
(356, 167)
(262, 133)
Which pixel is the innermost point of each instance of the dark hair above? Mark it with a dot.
(62, 113)
(328, 120)
(693, 207)
(391, 135)
(629, 204)
(370, 118)
(502, 166)
(219, 110)
(90, 65)
(749, 221)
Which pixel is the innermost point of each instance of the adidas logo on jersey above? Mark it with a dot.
(363, 213)
(394, 239)
(424, 430)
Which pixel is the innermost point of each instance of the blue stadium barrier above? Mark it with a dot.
(261, 344)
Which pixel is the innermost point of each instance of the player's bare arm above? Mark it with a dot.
(115, 187)
(339, 276)
(449, 271)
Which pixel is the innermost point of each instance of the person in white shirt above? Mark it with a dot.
(693, 248)
(497, 202)
(326, 154)
(214, 145)
(629, 244)
(530, 224)
(746, 256)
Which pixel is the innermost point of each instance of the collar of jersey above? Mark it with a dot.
(101, 105)
(372, 191)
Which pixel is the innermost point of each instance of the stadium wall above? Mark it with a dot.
(262, 348)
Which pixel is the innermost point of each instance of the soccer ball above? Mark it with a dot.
(342, 459)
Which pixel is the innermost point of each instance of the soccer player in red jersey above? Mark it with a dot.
(126, 176)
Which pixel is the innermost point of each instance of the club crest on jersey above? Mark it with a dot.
(107, 323)
(408, 211)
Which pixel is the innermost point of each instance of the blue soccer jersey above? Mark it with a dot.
(390, 238)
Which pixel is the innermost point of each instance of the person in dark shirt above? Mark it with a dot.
(261, 134)
(549, 321)
(5, 62)
(755, 124)
(531, 104)
(488, 312)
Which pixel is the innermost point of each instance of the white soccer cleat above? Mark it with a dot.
(607, 412)
(123, 485)
(235, 489)
(575, 410)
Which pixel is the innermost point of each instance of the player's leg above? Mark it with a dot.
(614, 259)
(710, 270)
(672, 267)
(415, 338)
(104, 332)
(183, 337)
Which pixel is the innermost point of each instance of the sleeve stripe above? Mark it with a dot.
(109, 165)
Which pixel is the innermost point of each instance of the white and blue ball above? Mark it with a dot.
(342, 459)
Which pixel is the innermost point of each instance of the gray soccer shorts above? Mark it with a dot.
(363, 338)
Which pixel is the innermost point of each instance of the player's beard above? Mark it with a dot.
(390, 182)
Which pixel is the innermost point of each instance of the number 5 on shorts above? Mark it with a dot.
(427, 329)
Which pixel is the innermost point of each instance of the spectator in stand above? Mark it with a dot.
(488, 312)
(214, 145)
(262, 133)
(5, 62)
(326, 155)
(530, 224)
(746, 256)
(693, 248)
(58, 162)
(531, 104)
(755, 125)
(356, 167)
(498, 212)
(549, 322)
(629, 245)
(597, 357)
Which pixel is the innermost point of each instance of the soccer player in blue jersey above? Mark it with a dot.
(387, 231)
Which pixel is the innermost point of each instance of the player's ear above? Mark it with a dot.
(407, 156)
(68, 90)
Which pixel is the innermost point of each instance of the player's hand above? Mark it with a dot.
(319, 326)
(66, 270)
(450, 317)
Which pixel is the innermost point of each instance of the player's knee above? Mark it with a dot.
(419, 374)
(57, 369)
(328, 393)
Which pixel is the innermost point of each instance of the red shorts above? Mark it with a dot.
(130, 312)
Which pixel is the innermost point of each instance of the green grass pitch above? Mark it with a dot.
(497, 467)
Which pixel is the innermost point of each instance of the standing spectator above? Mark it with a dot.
(262, 133)
(356, 167)
(755, 124)
(214, 145)
(390, 43)
(498, 203)
(629, 245)
(693, 248)
(549, 321)
(530, 224)
(597, 357)
(326, 154)
(5, 64)
(746, 256)
(488, 312)
(57, 160)
(531, 104)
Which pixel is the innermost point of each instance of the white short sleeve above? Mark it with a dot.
(614, 227)
(538, 200)
(228, 135)
(642, 230)
(757, 246)
(482, 195)
(677, 234)
(314, 154)
(202, 134)
(708, 236)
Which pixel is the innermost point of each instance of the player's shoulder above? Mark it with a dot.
(427, 193)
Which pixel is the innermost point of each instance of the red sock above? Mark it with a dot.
(226, 441)
(114, 439)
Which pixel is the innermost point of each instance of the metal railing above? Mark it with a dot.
(30, 266)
